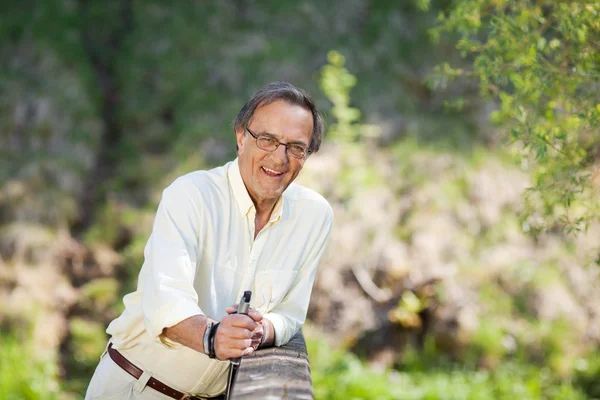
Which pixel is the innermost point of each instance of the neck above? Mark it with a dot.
(263, 214)
(264, 208)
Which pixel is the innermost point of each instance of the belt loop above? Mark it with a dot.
(142, 382)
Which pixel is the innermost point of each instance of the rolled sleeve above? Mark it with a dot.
(171, 255)
(289, 316)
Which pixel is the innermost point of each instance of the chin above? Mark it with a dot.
(272, 194)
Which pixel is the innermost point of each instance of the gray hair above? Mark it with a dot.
(282, 91)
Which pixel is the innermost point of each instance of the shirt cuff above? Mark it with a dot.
(283, 331)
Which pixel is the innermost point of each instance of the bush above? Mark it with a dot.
(337, 374)
(22, 376)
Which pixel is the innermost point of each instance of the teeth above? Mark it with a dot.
(272, 171)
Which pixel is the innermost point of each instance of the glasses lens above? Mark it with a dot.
(297, 151)
(267, 143)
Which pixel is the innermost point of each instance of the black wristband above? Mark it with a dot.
(211, 340)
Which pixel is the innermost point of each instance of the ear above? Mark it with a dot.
(239, 137)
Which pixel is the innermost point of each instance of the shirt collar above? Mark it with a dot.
(242, 197)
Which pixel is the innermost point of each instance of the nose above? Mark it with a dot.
(280, 155)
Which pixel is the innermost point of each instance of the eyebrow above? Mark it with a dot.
(263, 133)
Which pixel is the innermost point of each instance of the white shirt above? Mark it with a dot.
(202, 256)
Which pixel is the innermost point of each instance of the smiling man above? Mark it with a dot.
(217, 233)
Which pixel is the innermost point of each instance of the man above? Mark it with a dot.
(217, 233)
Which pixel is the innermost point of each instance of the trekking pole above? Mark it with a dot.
(235, 362)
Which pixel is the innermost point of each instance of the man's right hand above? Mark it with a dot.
(233, 338)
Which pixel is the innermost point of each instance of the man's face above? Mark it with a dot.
(267, 174)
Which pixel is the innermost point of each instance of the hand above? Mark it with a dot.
(257, 333)
(234, 337)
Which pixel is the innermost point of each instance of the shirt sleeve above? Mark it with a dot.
(171, 255)
(289, 316)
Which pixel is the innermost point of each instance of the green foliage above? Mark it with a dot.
(509, 291)
(88, 340)
(22, 375)
(406, 313)
(87, 343)
(587, 375)
(175, 88)
(540, 61)
(336, 84)
(488, 341)
(357, 169)
(101, 292)
(340, 375)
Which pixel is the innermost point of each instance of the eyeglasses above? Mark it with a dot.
(269, 143)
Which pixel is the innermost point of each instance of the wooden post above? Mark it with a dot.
(275, 373)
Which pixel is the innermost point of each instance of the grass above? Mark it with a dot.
(341, 375)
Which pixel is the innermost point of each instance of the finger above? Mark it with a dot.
(227, 329)
(234, 333)
(226, 348)
(238, 321)
(242, 321)
(229, 353)
(238, 344)
(258, 332)
(255, 315)
(236, 353)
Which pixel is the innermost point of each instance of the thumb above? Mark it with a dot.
(232, 309)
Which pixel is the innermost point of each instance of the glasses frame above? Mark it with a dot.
(286, 145)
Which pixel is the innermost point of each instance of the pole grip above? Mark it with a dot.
(242, 309)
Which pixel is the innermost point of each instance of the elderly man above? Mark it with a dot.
(217, 233)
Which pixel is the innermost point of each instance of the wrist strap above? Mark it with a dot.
(206, 338)
(211, 340)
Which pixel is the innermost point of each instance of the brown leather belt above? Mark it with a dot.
(152, 382)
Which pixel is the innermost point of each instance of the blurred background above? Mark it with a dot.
(461, 159)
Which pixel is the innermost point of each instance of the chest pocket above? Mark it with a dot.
(270, 288)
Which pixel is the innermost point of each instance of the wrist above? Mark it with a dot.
(268, 339)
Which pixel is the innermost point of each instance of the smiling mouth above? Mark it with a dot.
(271, 172)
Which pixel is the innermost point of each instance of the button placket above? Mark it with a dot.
(247, 278)
(256, 248)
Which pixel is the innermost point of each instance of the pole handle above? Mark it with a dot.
(243, 308)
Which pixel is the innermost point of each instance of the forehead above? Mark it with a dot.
(286, 121)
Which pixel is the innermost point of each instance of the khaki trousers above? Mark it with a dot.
(111, 382)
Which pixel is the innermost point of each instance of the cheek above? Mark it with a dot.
(296, 169)
(245, 153)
